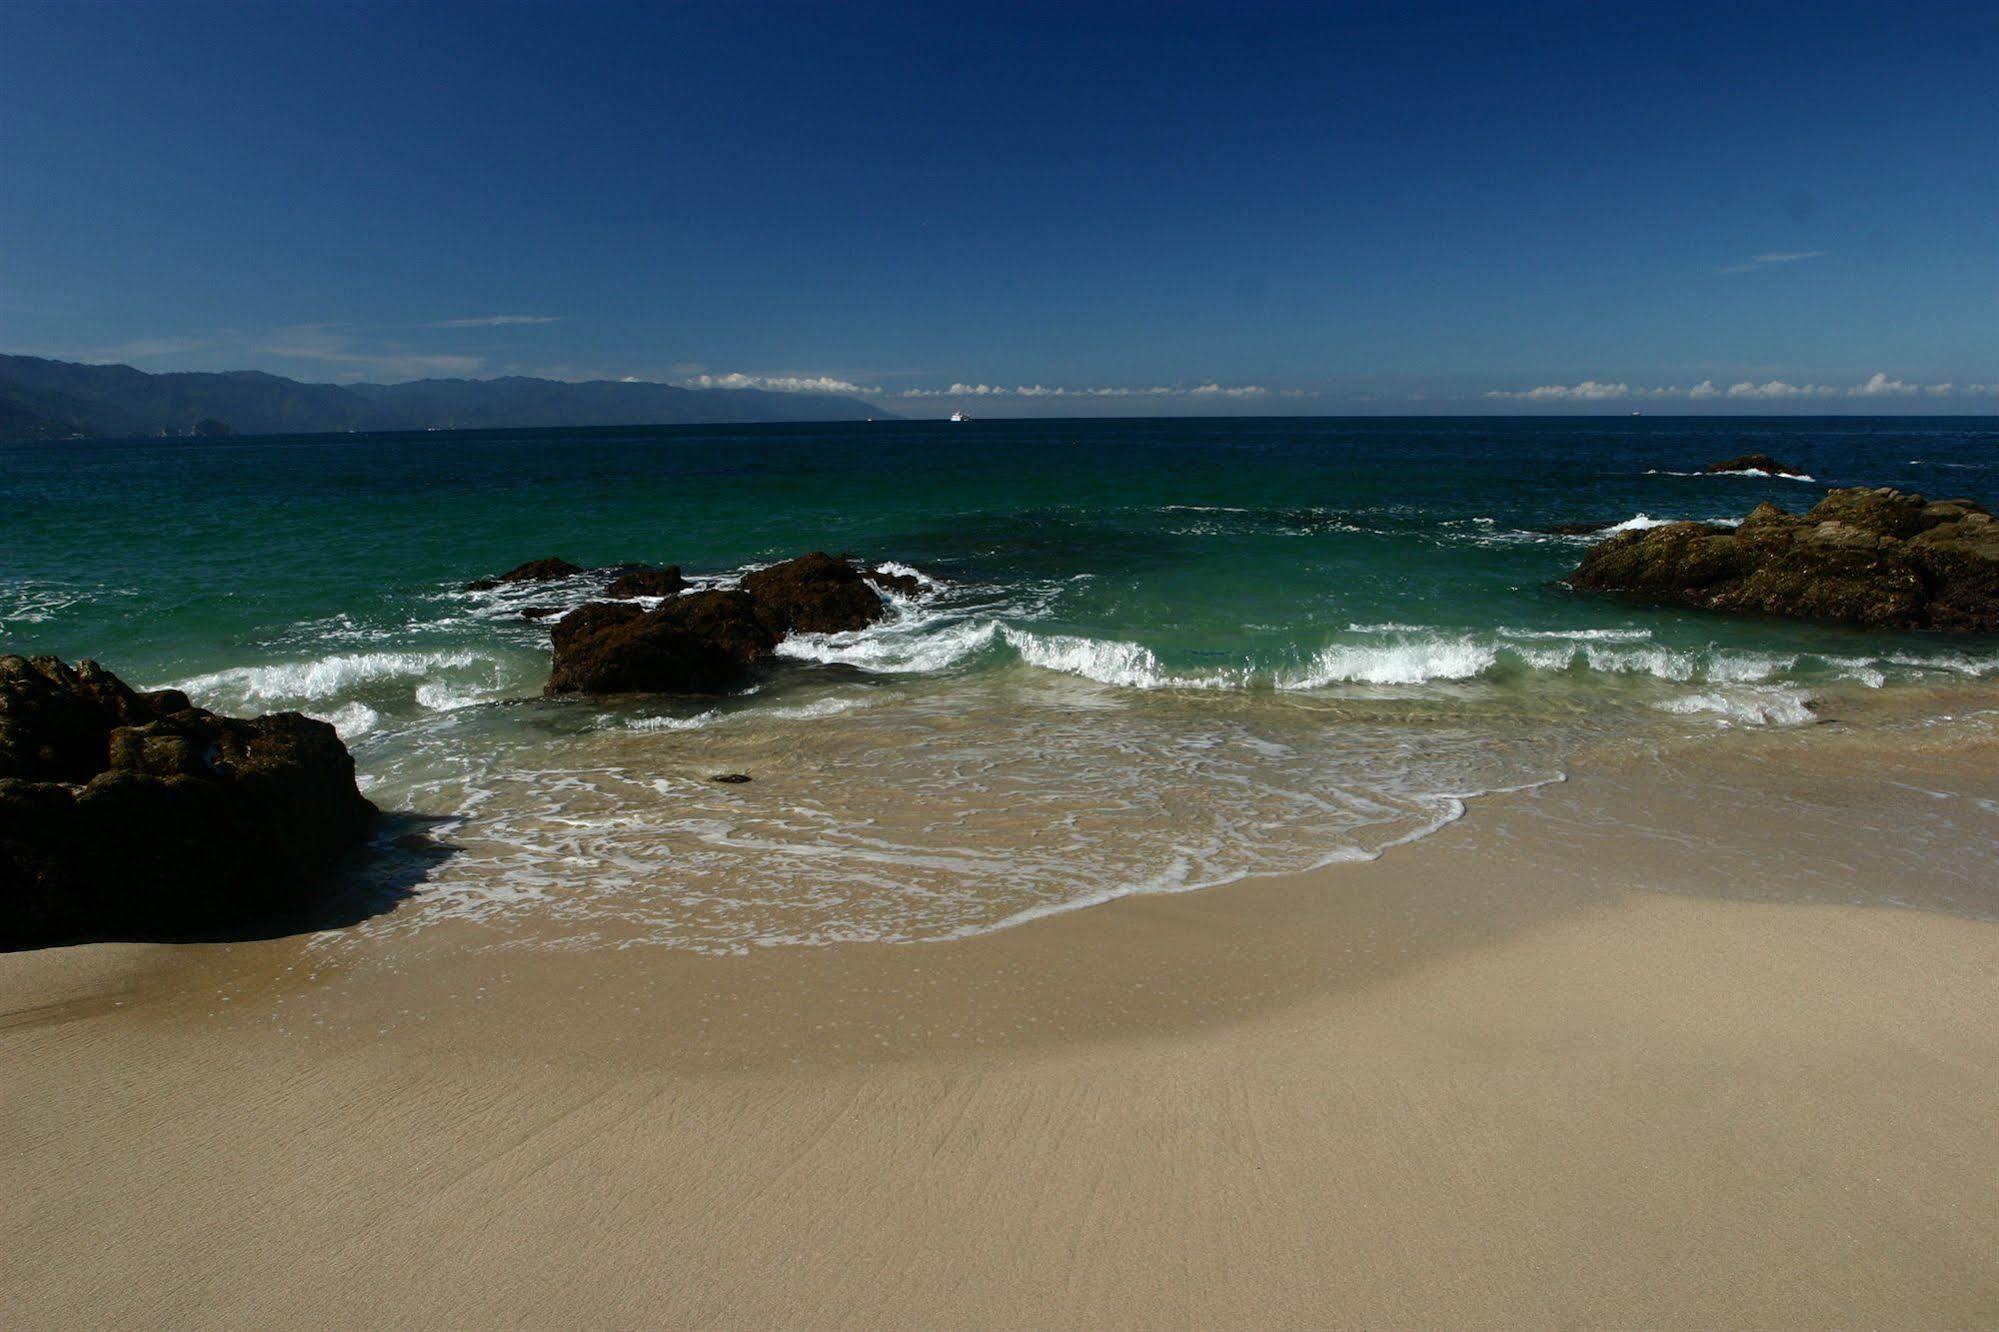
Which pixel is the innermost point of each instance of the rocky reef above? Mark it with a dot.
(128, 815)
(545, 570)
(1877, 558)
(705, 642)
(1752, 462)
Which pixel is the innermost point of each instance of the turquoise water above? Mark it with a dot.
(1159, 653)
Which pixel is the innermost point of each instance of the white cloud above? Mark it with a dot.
(1774, 390)
(1589, 390)
(495, 321)
(1777, 388)
(1210, 389)
(1769, 258)
(779, 383)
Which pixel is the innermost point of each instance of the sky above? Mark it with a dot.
(1024, 210)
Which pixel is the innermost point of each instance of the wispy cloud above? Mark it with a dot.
(1774, 390)
(493, 321)
(1772, 258)
(144, 349)
(779, 383)
(387, 363)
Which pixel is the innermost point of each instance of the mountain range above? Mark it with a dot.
(46, 400)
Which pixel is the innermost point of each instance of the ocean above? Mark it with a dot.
(1158, 654)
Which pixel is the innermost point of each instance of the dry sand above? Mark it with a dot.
(1549, 1066)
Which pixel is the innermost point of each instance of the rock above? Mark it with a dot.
(730, 778)
(1753, 462)
(643, 582)
(128, 815)
(700, 643)
(534, 571)
(704, 642)
(1877, 558)
(814, 594)
(1572, 529)
(539, 612)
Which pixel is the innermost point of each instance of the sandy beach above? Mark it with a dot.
(1561, 1063)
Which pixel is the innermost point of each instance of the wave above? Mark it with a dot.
(353, 721)
(326, 676)
(1108, 661)
(1445, 808)
(914, 644)
(1606, 635)
(1645, 521)
(1772, 707)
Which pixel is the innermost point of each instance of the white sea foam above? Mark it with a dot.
(825, 707)
(353, 720)
(1768, 707)
(1740, 471)
(694, 723)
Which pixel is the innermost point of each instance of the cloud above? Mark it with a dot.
(1210, 389)
(1771, 258)
(146, 348)
(779, 383)
(1774, 390)
(1777, 388)
(494, 321)
(1589, 390)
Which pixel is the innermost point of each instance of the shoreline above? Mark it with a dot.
(1546, 1064)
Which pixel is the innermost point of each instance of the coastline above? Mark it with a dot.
(1611, 1051)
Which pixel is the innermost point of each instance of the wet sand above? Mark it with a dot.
(1616, 1051)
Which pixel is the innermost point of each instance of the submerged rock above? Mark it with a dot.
(1574, 529)
(1753, 462)
(1878, 558)
(814, 594)
(133, 815)
(730, 778)
(534, 571)
(644, 582)
(697, 644)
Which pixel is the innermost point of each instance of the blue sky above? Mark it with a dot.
(1080, 209)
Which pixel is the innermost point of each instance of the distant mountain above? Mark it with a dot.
(43, 399)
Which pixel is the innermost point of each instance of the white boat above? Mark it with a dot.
(959, 417)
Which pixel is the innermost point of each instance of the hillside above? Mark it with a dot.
(44, 399)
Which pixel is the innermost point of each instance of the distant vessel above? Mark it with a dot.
(959, 416)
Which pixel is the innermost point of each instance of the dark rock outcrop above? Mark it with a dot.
(642, 582)
(534, 571)
(902, 584)
(1878, 558)
(131, 815)
(1573, 529)
(814, 594)
(1753, 462)
(705, 642)
(697, 644)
